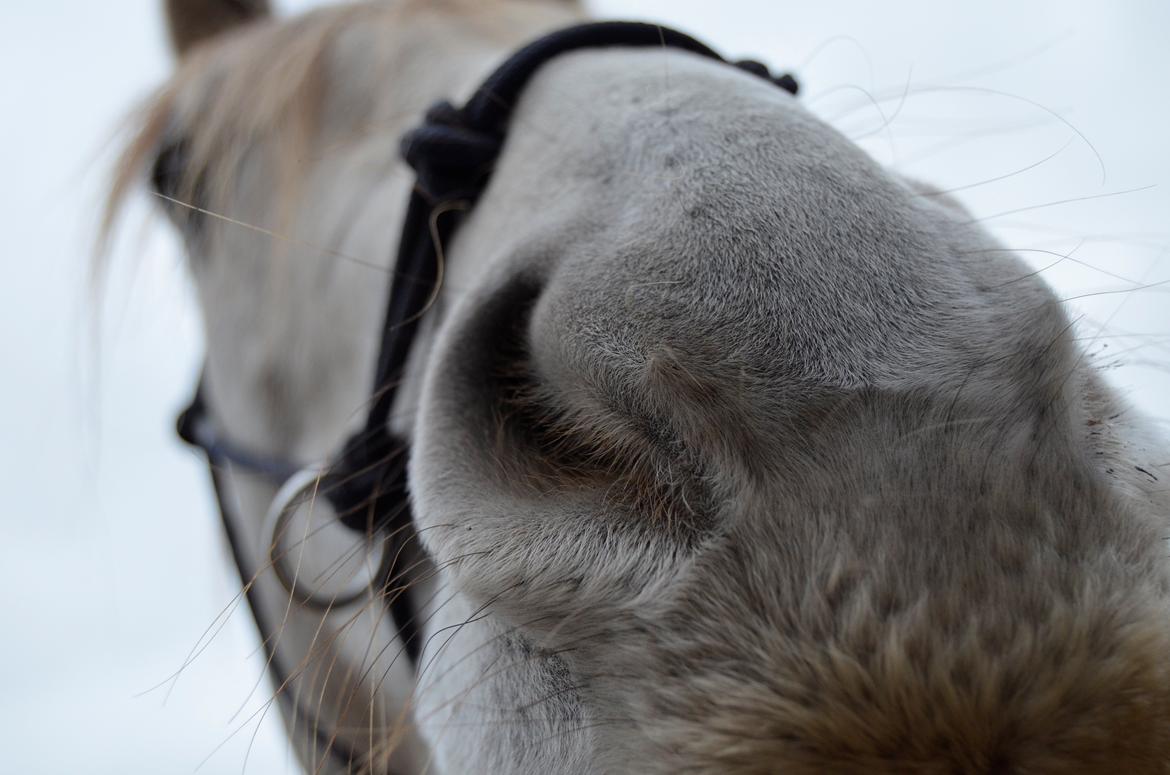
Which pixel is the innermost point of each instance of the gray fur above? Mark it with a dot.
(732, 450)
(883, 415)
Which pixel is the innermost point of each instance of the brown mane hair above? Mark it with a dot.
(264, 79)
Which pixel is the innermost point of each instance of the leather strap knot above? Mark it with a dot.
(785, 81)
(450, 156)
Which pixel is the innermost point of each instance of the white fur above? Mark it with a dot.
(806, 411)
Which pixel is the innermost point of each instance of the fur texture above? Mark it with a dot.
(732, 451)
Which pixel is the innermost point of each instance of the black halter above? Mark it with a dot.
(452, 154)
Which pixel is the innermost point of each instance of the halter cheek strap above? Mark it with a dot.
(452, 153)
(194, 427)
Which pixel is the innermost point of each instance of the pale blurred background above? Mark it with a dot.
(112, 565)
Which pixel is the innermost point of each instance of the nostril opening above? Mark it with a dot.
(534, 436)
(523, 421)
(514, 406)
(538, 438)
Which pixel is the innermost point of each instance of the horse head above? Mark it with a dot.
(731, 450)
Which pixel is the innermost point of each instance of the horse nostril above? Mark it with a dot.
(545, 422)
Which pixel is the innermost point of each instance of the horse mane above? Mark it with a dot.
(273, 90)
(263, 79)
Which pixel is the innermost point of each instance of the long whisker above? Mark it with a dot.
(273, 234)
(997, 178)
(366, 263)
(1062, 256)
(830, 42)
(1070, 200)
(1039, 106)
(1010, 62)
(958, 139)
(885, 124)
(209, 633)
(1112, 291)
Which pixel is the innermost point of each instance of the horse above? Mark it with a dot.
(731, 450)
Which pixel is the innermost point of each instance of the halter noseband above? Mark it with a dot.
(452, 153)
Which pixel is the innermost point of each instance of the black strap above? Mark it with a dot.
(452, 154)
(194, 427)
(331, 745)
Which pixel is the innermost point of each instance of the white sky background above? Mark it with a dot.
(111, 561)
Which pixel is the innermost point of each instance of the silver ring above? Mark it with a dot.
(304, 495)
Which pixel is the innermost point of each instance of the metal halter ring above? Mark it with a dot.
(304, 495)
